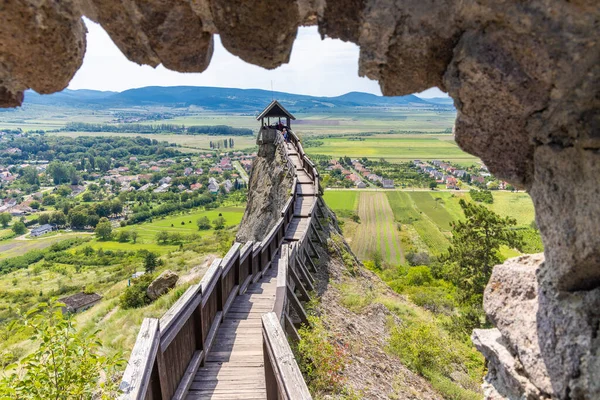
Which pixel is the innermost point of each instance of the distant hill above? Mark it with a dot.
(222, 99)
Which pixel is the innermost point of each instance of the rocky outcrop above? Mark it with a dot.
(162, 284)
(523, 74)
(545, 345)
(271, 182)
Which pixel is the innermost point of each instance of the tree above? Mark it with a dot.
(35, 205)
(433, 185)
(58, 218)
(87, 197)
(219, 223)
(43, 218)
(150, 262)
(19, 228)
(63, 190)
(104, 229)
(203, 223)
(60, 172)
(123, 236)
(133, 235)
(66, 365)
(77, 219)
(30, 175)
(474, 249)
(116, 207)
(5, 219)
(162, 237)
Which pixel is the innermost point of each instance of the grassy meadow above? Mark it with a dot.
(395, 148)
(396, 222)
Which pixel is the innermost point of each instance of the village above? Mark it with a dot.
(32, 188)
(434, 174)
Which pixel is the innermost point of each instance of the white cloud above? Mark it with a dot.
(317, 67)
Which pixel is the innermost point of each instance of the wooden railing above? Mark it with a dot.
(168, 352)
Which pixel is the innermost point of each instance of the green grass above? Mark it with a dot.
(395, 148)
(406, 211)
(147, 231)
(341, 199)
(434, 209)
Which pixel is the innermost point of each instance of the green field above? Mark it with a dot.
(173, 224)
(188, 143)
(342, 200)
(424, 219)
(395, 148)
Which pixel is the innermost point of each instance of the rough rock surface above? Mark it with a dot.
(162, 284)
(545, 345)
(271, 182)
(523, 75)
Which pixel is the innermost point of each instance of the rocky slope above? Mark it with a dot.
(268, 190)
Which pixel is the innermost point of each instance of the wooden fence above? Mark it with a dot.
(168, 352)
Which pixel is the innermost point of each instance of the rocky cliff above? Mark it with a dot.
(269, 189)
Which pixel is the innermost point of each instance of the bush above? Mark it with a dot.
(432, 298)
(135, 295)
(67, 365)
(420, 347)
(418, 276)
(321, 359)
(421, 258)
(482, 196)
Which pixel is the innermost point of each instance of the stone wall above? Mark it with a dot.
(524, 76)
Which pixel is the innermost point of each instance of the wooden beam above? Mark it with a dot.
(310, 261)
(291, 329)
(307, 277)
(299, 286)
(136, 378)
(188, 376)
(294, 302)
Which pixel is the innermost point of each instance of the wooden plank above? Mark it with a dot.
(167, 336)
(244, 285)
(289, 378)
(212, 332)
(246, 251)
(210, 279)
(282, 272)
(179, 307)
(188, 376)
(231, 298)
(139, 367)
(229, 260)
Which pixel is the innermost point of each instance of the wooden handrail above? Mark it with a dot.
(283, 377)
(184, 334)
(139, 368)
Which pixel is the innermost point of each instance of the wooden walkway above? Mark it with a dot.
(234, 366)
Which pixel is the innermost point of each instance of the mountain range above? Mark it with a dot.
(223, 99)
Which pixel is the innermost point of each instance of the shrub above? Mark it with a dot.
(421, 258)
(321, 359)
(135, 295)
(418, 276)
(420, 347)
(432, 298)
(66, 365)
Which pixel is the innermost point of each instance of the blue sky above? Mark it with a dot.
(317, 67)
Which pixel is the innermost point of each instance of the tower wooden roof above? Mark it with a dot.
(275, 109)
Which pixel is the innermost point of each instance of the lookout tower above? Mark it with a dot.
(271, 123)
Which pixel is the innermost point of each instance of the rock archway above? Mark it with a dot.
(524, 76)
